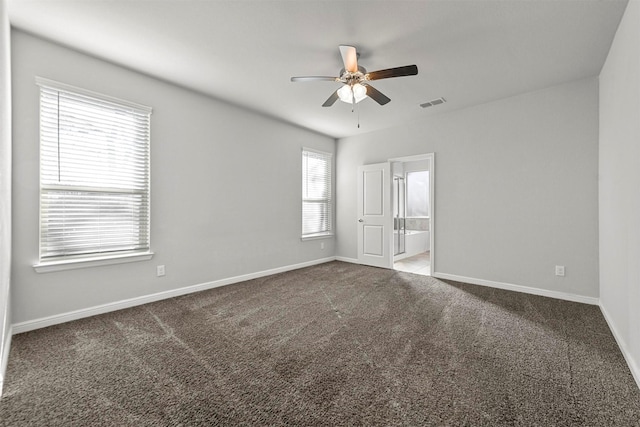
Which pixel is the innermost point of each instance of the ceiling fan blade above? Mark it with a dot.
(407, 70)
(314, 79)
(349, 58)
(331, 100)
(376, 95)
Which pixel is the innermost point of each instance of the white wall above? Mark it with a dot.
(619, 190)
(516, 187)
(225, 188)
(5, 189)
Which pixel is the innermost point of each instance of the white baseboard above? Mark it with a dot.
(633, 366)
(43, 322)
(519, 288)
(4, 358)
(345, 259)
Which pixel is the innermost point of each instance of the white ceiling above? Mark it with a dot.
(244, 52)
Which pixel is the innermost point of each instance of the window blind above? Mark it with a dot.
(316, 193)
(94, 174)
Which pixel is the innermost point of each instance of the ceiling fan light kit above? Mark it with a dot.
(351, 94)
(355, 79)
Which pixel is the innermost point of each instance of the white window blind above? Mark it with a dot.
(316, 193)
(94, 174)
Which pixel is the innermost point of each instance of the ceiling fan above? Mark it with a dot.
(355, 79)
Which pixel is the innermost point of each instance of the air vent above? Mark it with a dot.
(433, 102)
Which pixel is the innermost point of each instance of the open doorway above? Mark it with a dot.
(412, 201)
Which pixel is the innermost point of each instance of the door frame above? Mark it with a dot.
(432, 207)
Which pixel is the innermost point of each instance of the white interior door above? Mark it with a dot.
(375, 221)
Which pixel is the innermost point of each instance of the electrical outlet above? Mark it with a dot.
(160, 270)
(560, 270)
(322, 246)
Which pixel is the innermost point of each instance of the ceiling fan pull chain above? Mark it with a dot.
(355, 106)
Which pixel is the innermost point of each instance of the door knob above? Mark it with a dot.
(361, 220)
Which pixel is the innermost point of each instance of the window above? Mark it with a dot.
(94, 175)
(316, 194)
(418, 194)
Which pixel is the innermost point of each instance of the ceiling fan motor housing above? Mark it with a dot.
(356, 79)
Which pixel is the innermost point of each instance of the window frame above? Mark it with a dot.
(92, 259)
(329, 232)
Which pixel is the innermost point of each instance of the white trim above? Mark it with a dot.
(75, 263)
(519, 288)
(432, 209)
(317, 236)
(41, 81)
(631, 363)
(6, 347)
(412, 158)
(346, 259)
(132, 302)
(313, 150)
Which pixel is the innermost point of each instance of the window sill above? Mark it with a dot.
(72, 264)
(317, 236)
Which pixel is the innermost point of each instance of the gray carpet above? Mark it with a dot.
(335, 344)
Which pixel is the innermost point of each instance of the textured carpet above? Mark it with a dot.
(335, 344)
